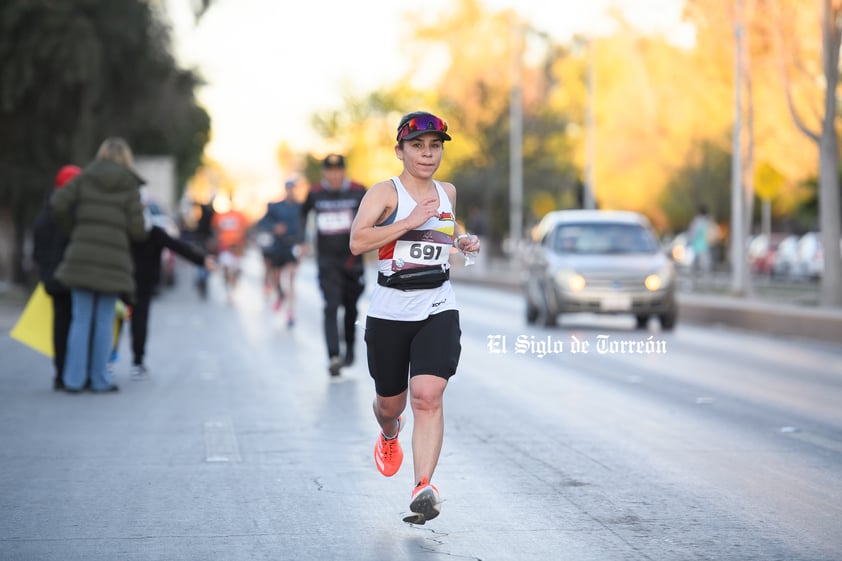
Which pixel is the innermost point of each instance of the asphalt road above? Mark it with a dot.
(700, 444)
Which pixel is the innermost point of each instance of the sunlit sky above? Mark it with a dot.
(270, 65)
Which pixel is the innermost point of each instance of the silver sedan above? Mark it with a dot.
(604, 262)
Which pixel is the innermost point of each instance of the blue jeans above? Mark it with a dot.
(89, 340)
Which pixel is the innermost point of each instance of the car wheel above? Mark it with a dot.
(642, 321)
(532, 295)
(548, 316)
(547, 319)
(531, 312)
(668, 321)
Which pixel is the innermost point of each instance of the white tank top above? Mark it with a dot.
(428, 244)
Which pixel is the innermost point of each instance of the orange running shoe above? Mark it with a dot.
(425, 504)
(388, 455)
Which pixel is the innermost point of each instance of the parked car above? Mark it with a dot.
(810, 256)
(680, 251)
(605, 262)
(785, 263)
(761, 252)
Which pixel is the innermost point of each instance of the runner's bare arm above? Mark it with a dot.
(377, 204)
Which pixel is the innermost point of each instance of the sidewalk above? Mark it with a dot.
(12, 302)
(760, 313)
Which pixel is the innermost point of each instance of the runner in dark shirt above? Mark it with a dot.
(335, 202)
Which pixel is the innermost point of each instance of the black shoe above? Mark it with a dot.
(108, 389)
(58, 384)
(349, 357)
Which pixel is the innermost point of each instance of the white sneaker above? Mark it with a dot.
(335, 366)
(139, 372)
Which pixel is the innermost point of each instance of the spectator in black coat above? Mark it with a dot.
(50, 241)
(147, 274)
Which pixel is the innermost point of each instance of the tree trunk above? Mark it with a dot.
(829, 198)
(748, 166)
(19, 272)
(7, 236)
(829, 211)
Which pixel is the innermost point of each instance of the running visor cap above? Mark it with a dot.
(417, 123)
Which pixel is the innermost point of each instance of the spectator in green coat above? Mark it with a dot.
(101, 212)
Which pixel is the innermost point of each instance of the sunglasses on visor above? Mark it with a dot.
(423, 123)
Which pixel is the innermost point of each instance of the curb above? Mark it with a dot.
(777, 319)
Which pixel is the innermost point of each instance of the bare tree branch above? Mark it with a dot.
(781, 47)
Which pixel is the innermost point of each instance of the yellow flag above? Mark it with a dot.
(34, 328)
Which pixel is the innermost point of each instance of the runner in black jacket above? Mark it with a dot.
(335, 202)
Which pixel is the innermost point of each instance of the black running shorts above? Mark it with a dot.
(397, 348)
(282, 254)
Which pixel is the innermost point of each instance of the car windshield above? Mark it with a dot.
(603, 239)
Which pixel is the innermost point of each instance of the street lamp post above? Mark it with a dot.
(589, 196)
(516, 141)
(738, 261)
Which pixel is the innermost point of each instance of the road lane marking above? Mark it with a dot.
(816, 440)
(221, 442)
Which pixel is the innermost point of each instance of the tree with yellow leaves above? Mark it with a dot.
(789, 15)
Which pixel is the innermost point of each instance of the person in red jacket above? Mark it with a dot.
(230, 227)
(49, 243)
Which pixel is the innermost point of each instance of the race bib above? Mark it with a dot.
(420, 253)
(264, 239)
(335, 221)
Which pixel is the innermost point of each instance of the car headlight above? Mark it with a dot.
(570, 280)
(653, 282)
(661, 279)
(678, 253)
